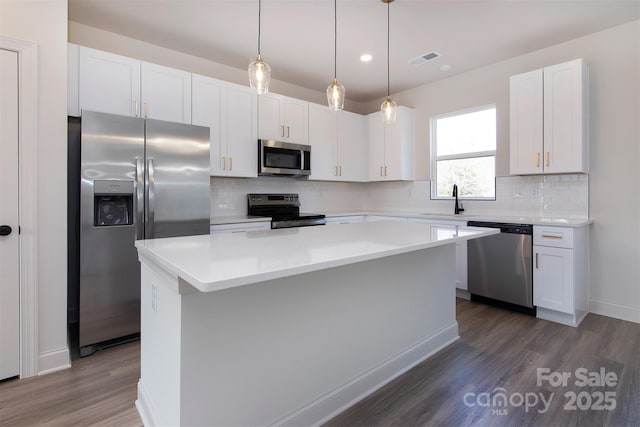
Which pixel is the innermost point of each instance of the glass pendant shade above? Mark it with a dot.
(388, 109)
(260, 75)
(335, 95)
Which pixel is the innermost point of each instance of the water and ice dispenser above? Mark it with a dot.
(112, 203)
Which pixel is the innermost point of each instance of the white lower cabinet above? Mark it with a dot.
(240, 227)
(560, 273)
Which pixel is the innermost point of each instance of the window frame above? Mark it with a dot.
(467, 155)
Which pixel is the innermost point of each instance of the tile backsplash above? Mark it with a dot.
(553, 196)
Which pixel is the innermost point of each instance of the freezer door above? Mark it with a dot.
(177, 180)
(110, 215)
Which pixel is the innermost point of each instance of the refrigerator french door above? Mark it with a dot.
(139, 179)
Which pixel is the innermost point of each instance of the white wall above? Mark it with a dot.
(45, 22)
(614, 62)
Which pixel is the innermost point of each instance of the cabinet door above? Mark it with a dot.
(296, 115)
(270, 125)
(109, 83)
(241, 131)
(73, 68)
(564, 148)
(526, 126)
(351, 146)
(208, 98)
(375, 136)
(166, 93)
(553, 278)
(322, 138)
(398, 146)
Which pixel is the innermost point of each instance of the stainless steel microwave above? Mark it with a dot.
(283, 158)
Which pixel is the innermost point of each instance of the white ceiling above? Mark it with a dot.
(297, 35)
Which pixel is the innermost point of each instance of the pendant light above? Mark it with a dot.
(335, 91)
(388, 107)
(259, 71)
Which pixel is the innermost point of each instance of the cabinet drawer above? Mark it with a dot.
(557, 237)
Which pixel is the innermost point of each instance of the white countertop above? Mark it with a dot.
(216, 262)
(558, 222)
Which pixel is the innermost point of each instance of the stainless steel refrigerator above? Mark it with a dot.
(139, 179)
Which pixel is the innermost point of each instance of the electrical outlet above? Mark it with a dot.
(154, 297)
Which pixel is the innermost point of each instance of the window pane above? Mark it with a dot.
(475, 177)
(466, 133)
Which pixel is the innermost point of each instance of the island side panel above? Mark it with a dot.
(299, 349)
(160, 357)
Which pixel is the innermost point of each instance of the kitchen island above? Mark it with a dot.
(290, 326)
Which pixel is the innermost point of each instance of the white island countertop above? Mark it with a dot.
(215, 262)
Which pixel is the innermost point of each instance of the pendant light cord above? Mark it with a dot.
(388, 78)
(259, 16)
(335, 39)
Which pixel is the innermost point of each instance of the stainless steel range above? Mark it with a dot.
(284, 210)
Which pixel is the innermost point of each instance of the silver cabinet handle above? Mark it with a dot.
(547, 159)
(224, 163)
(551, 236)
(385, 171)
(340, 170)
(150, 180)
(380, 170)
(288, 132)
(146, 110)
(536, 260)
(230, 163)
(336, 171)
(282, 131)
(538, 159)
(139, 202)
(136, 107)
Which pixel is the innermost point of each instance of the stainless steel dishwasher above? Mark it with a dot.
(500, 269)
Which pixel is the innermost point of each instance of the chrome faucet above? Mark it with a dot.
(458, 207)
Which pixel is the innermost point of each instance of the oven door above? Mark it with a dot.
(283, 158)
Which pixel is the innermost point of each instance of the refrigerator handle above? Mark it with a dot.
(150, 196)
(139, 206)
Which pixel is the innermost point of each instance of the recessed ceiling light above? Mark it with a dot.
(445, 67)
(366, 57)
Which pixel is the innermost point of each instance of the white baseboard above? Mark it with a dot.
(145, 409)
(345, 396)
(622, 312)
(53, 361)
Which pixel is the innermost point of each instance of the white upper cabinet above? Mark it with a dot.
(230, 111)
(391, 147)
(73, 65)
(351, 146)
(242, 131)
(166, 93)
(323, 138)
(337, 140)
(548, 120)
(116, 84)
(281, 118)
(108, 83)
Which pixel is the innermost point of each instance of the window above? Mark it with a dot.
(463, 152)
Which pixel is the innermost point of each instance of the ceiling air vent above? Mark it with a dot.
(425, 57)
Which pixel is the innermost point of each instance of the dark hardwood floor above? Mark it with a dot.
(497, 350)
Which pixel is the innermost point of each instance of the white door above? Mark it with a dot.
(296, 116)
(526, 125)
(553, 278)
(207, 109)
(269, 124)
(376, 146)
(322, 138)
(9, 267)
